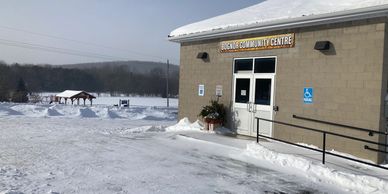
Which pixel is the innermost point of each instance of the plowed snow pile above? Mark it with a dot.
(98, 111)
(185, 124)
(318, 172)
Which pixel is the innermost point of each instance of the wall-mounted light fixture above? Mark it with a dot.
(203, 55)
(322, 45)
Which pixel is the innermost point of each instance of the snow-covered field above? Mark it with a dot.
(96, 111)
(106, 99)
(137, 101)
(100, 149)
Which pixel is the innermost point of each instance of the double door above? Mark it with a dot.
(254, 95)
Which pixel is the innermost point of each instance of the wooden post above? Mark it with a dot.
(65, 100)
(78, 101)
(84, 101)
(72, 101)
(91, 101)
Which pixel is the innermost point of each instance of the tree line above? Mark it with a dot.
(113, 80)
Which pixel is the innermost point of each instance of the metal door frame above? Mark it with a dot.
(253, 76)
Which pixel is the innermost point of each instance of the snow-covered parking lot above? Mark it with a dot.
(66, 149)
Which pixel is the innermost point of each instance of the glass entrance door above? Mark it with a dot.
(253, 94)
(242, 108)
(263, 103)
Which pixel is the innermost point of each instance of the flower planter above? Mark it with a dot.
(212, 124)
(213, 115)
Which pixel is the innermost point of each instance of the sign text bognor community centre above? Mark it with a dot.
(259, 43)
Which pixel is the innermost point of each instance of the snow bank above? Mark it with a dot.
(318, 172)
(337, 152)
(51, 112)
(86, 113)
(274, 10)
(144, 129)
(185, 125)
(107, 113)
(29, 110)
(135, 101)
(97, 111)
(6, 111)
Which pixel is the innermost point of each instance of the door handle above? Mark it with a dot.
(254, 107)
(249, 106)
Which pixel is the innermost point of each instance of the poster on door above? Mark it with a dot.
(243, 93)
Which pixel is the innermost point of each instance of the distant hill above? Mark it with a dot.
(121, 77)
(143, 67)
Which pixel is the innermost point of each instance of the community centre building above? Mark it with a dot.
(319, 64)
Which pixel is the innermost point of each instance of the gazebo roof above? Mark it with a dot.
(74, 94)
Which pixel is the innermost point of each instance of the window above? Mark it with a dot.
(263, 92)
(265, 65)
(243, 65)
(242, 90)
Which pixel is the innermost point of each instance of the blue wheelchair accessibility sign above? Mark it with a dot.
(308, 95)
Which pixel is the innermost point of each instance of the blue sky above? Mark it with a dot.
(99, 30)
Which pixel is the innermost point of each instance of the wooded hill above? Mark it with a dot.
(143, 67)
(145, 78)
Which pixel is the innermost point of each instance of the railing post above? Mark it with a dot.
(386, 140)
(324, 148)
(257, 130)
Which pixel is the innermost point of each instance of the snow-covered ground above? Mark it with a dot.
(72, 149)
(100, 149)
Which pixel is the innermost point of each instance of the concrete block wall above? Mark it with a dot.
(383, 122)
(349, 81)
(347, 84)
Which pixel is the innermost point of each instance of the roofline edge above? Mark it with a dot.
(307, 21)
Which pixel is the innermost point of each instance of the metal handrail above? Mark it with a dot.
(324, 134)
(370, 131)
(327, 132)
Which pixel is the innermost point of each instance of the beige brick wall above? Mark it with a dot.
(385, 84)
(348, 81)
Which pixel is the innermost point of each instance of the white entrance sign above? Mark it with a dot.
(201, 90)
(219, 90)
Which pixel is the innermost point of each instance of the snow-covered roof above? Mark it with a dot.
(269, 14)
(72, 93)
